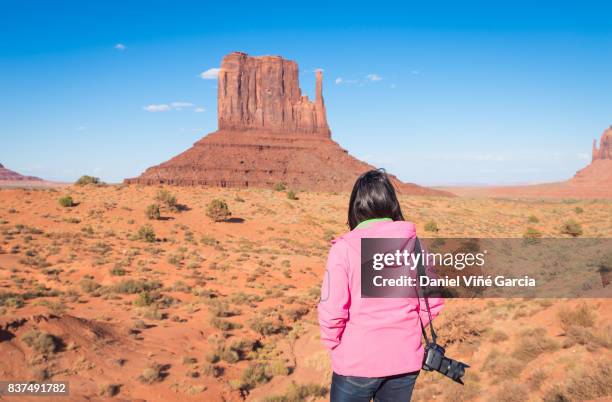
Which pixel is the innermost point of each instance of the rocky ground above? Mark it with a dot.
(126, 300)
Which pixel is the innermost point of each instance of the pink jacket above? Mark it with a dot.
(374, 337)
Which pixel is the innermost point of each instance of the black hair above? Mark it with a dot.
(373, 196)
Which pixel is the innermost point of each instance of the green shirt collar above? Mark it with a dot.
(367, 223)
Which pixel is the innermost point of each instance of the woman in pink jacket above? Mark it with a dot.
(375, 343)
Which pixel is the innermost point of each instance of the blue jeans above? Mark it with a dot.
(395, 388)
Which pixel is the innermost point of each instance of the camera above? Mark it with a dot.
(434, 360)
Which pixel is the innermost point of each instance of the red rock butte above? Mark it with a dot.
(268, 133)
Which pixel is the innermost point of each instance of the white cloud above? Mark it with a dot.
(359, 82)
(167, 107)
(344, 81)
(210, 74)
(157, 108)
(181, 105)
(120, 46)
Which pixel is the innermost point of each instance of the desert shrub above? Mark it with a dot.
(40, 374)
(139, 324)
(296, 313)
(498, 336)
(66, 201)
(151, 374)
(146, 233)
(188, 360)
(153, 211)
(581, 316)
(578, 210)
(462, 326)
(153, 313)
(42, 342)
(502, 366)
(431, 226)
(217, 210)
(533, 219)
(224, 325)
(230, 355)
(532, 343)
(219, 308)
(145, 299)
(85, 179)
(511, 392)
(238, 198)
(118, 270)
(455, 392)
(213, 370)
(572, 228)
(291, 195)
(101, 248)
(167, 199)
(584, 383)
(253, 375)
(590, 382)
(280, 187)
(89, 285)
(132, 286)
(536, 379)
(299, 393)
(277, 367)
(109, 390)
(532, 233)
(244, 347)
(209, 241)
(213, 356)
(264, 326)
(244, 298)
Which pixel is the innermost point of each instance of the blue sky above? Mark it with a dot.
(447, 93)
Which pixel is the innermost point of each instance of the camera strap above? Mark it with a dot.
(421, 272)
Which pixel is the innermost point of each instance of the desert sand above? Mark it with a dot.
(225, 311)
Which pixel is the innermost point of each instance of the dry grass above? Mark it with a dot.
(581, 316)
(502, 366)
(41, 342)
(593, 380)
(299, 393)
(511, 392)
(532, 343)
(152, 374)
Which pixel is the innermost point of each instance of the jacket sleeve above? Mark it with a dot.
(335, 296)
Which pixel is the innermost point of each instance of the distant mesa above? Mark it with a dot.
(593, 181)
(598, 174)
(268, 133)
(7, 175)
